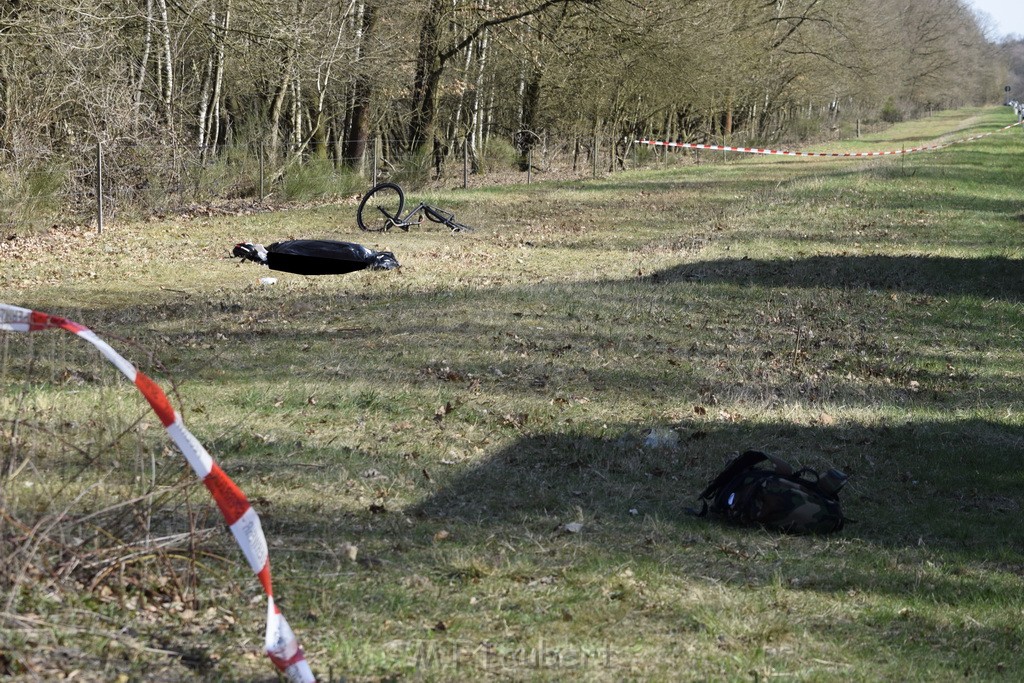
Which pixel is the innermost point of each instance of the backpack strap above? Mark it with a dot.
(742, 463)
(781, 466)
(694, 512)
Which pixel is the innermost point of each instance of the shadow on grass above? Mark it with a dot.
(934, 504)
(993, 277)
(952, 487)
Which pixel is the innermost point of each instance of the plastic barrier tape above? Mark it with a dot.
(786, 153)
(280, 643)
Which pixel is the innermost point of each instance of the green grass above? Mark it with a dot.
(450, 419)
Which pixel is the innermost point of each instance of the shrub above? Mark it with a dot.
(805, 129)
(414, 169)
(318, 179)
(645, 154)
(31, 200)
(497, 154)
(891, 113)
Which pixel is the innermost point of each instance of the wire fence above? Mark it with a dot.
(127, 179)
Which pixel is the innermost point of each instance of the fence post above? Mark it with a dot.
(529, 166)
(465, 164)
(262, 153)
(593, 158)
(99, 186)
(376, 144)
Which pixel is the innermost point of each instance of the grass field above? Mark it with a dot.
(419, 443)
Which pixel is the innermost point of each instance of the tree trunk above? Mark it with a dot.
(277, 104)
(362, 92)
(531, 110)
(204, 92)
(168, 63)
(213, 134)
(147, 45)
(476, 119)
(296, 113)
(428, 75)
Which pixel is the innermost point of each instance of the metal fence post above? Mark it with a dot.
(99, 186)
(376, 144)
(262, 154)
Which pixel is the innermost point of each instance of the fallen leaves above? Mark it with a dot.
(443, 411)
(446, 374)
(349, 551)
(515, 420)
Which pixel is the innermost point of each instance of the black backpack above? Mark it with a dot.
(779, 499)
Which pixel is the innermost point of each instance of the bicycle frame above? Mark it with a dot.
(407, 222)
(384, 198)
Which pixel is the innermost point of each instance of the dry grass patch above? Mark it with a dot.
(451, 460)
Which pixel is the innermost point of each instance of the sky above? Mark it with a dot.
(1008, 15)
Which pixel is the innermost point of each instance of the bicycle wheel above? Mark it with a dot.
(381, 208)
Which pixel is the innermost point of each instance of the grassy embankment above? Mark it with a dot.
(449, 420)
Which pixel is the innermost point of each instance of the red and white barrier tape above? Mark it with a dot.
(281, 644)
(787, 153)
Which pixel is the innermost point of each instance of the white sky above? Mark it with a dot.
(1007, 14)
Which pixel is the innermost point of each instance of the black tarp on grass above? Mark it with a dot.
(316, 257)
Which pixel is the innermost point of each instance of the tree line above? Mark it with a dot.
(165, 83)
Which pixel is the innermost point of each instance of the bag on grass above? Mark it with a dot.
(316, 257)
(801, 502)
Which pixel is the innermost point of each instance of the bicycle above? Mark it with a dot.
(381, 209)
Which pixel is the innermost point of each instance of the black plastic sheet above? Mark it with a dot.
(316, 257)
